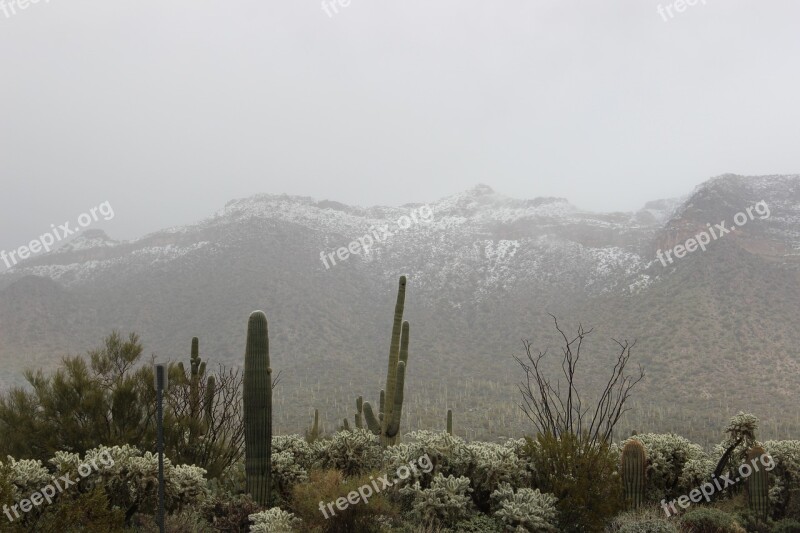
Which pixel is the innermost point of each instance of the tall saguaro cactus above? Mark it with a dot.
(387, 424)
(634, 463)
(449, 421)
(758, 484)
(258, 409)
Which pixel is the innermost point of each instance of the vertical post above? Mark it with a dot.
(161, 383)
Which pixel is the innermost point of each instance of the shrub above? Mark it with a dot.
(273, 521)
(645, 519)
(327, 486)
(444, 503)
(584, 478)
(86, 512)
(710, 520)
(788, 525)
(230, 514)
(480, 523)
(526, 509)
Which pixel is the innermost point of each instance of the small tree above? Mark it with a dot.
(557, 410)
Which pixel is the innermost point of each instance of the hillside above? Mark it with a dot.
(714, 329)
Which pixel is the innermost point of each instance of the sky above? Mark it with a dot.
(167, 110)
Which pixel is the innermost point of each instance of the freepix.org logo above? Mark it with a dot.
(47, 240)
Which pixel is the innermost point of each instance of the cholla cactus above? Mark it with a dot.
(302, 452)
(741, 435)
(494, 464)
(446, 501)
(353, 452)
(449, 454)
(286, 472)
(25, 475)
(526, 509)
(786, 474)
(274, 520)
(132, 480)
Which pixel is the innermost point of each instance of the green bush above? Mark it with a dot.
(710, 520)
(584, 478)
(643, 520)
(788, 525)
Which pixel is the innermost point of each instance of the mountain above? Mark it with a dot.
(714, 329)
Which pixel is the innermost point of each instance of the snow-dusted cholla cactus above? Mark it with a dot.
(526, 510)
(444, 503)
(26, 476)
(494, 464)
(353, 452)
(274, 520)
(785, 477)
(449, 454)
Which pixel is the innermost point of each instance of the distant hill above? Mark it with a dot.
(716, 330)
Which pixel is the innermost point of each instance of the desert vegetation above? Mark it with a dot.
(573, 469)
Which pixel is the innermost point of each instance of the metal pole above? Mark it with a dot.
(160, 372)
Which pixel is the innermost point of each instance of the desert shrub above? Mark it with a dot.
(230, 514)
(582, 476)
(351, 452)
(183, 522)
(710, 520)
(107, 398)
(274, 520)
(81, 512)
(643, 520)
(444, 503)
(480, 523)
(667, 456)
(787, 525)
(525, 509)
(327, 486)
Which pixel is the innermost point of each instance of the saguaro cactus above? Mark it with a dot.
(450, 421)
(758, 484)
(359, 412)
(258, 409)
(312, 433)
(198, 422)
(634, 463)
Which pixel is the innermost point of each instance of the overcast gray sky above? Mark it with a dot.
(169, 109)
